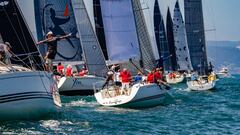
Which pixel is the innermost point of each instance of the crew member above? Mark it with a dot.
(51, 42)
(69, 71)
(60, 68)
(126, 77)
(5, 53)
(150, 77)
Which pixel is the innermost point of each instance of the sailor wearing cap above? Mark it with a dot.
(51, 42)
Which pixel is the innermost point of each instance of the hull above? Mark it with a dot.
(27, 95)
(139, 96)
(175, 80)
(222, 75)
(71, 86)
(198, 86)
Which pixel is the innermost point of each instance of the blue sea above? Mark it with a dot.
(184, 112)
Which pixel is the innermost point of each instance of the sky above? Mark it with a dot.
(222, 18)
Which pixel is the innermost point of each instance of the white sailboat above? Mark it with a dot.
(202, 83)
(223, 73)
(130, 29)
(25, 92)
(197, 47)
(77, 21)
(181, 45)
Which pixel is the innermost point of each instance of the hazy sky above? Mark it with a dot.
(222, 15)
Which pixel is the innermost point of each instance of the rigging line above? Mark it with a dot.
(24, 38)
(13, 28)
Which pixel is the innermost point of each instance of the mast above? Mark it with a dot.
(170, 38)
(94, 57)
(143, 37)
(196, 35)
(180, 38)
(99, 26)
(15, 30)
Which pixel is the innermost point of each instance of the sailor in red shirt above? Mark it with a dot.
(125, 79)
(69, 71)
(158, 75)
(60, 68)
(150, 77)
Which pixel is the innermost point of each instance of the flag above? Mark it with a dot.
(66, 12)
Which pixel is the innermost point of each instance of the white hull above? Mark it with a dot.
(176, 80)
(139, 96)
(222, 75)
(198, 86)
(78, 85)
(27, 95)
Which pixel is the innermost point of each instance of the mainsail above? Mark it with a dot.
(161, 38)
(196, 35)
(13, 29)
(180, 37)
(171, 43)
(120, 30)
(57, 16)
(147, 55)
(99, 26)
(93, 55)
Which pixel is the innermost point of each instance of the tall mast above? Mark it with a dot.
(196, 35)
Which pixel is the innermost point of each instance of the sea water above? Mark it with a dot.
(184, 112)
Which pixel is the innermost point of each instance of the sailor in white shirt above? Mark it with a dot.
(5, 53)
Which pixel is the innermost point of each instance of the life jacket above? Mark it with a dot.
(60, 69)
(126, 77)
(69, 72)
(150, 78)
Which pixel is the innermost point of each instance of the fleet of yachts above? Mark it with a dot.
(120, 33)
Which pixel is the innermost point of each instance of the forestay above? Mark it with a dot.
(94, 57)
(180, 37)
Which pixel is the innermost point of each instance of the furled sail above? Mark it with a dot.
(93, 55)
(120, 30)
(99, 26)
(57, 16)
(180, 37)
(13, 29)
(170, 37)
(196, 35)
(147, 55)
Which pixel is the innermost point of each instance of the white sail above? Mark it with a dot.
(180, 39)
(94, 57)
(120, 30)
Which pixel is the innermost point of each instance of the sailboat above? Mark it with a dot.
(63, 17)
(127, 32)
(26, 92)
(181, 46)
(197, 46)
